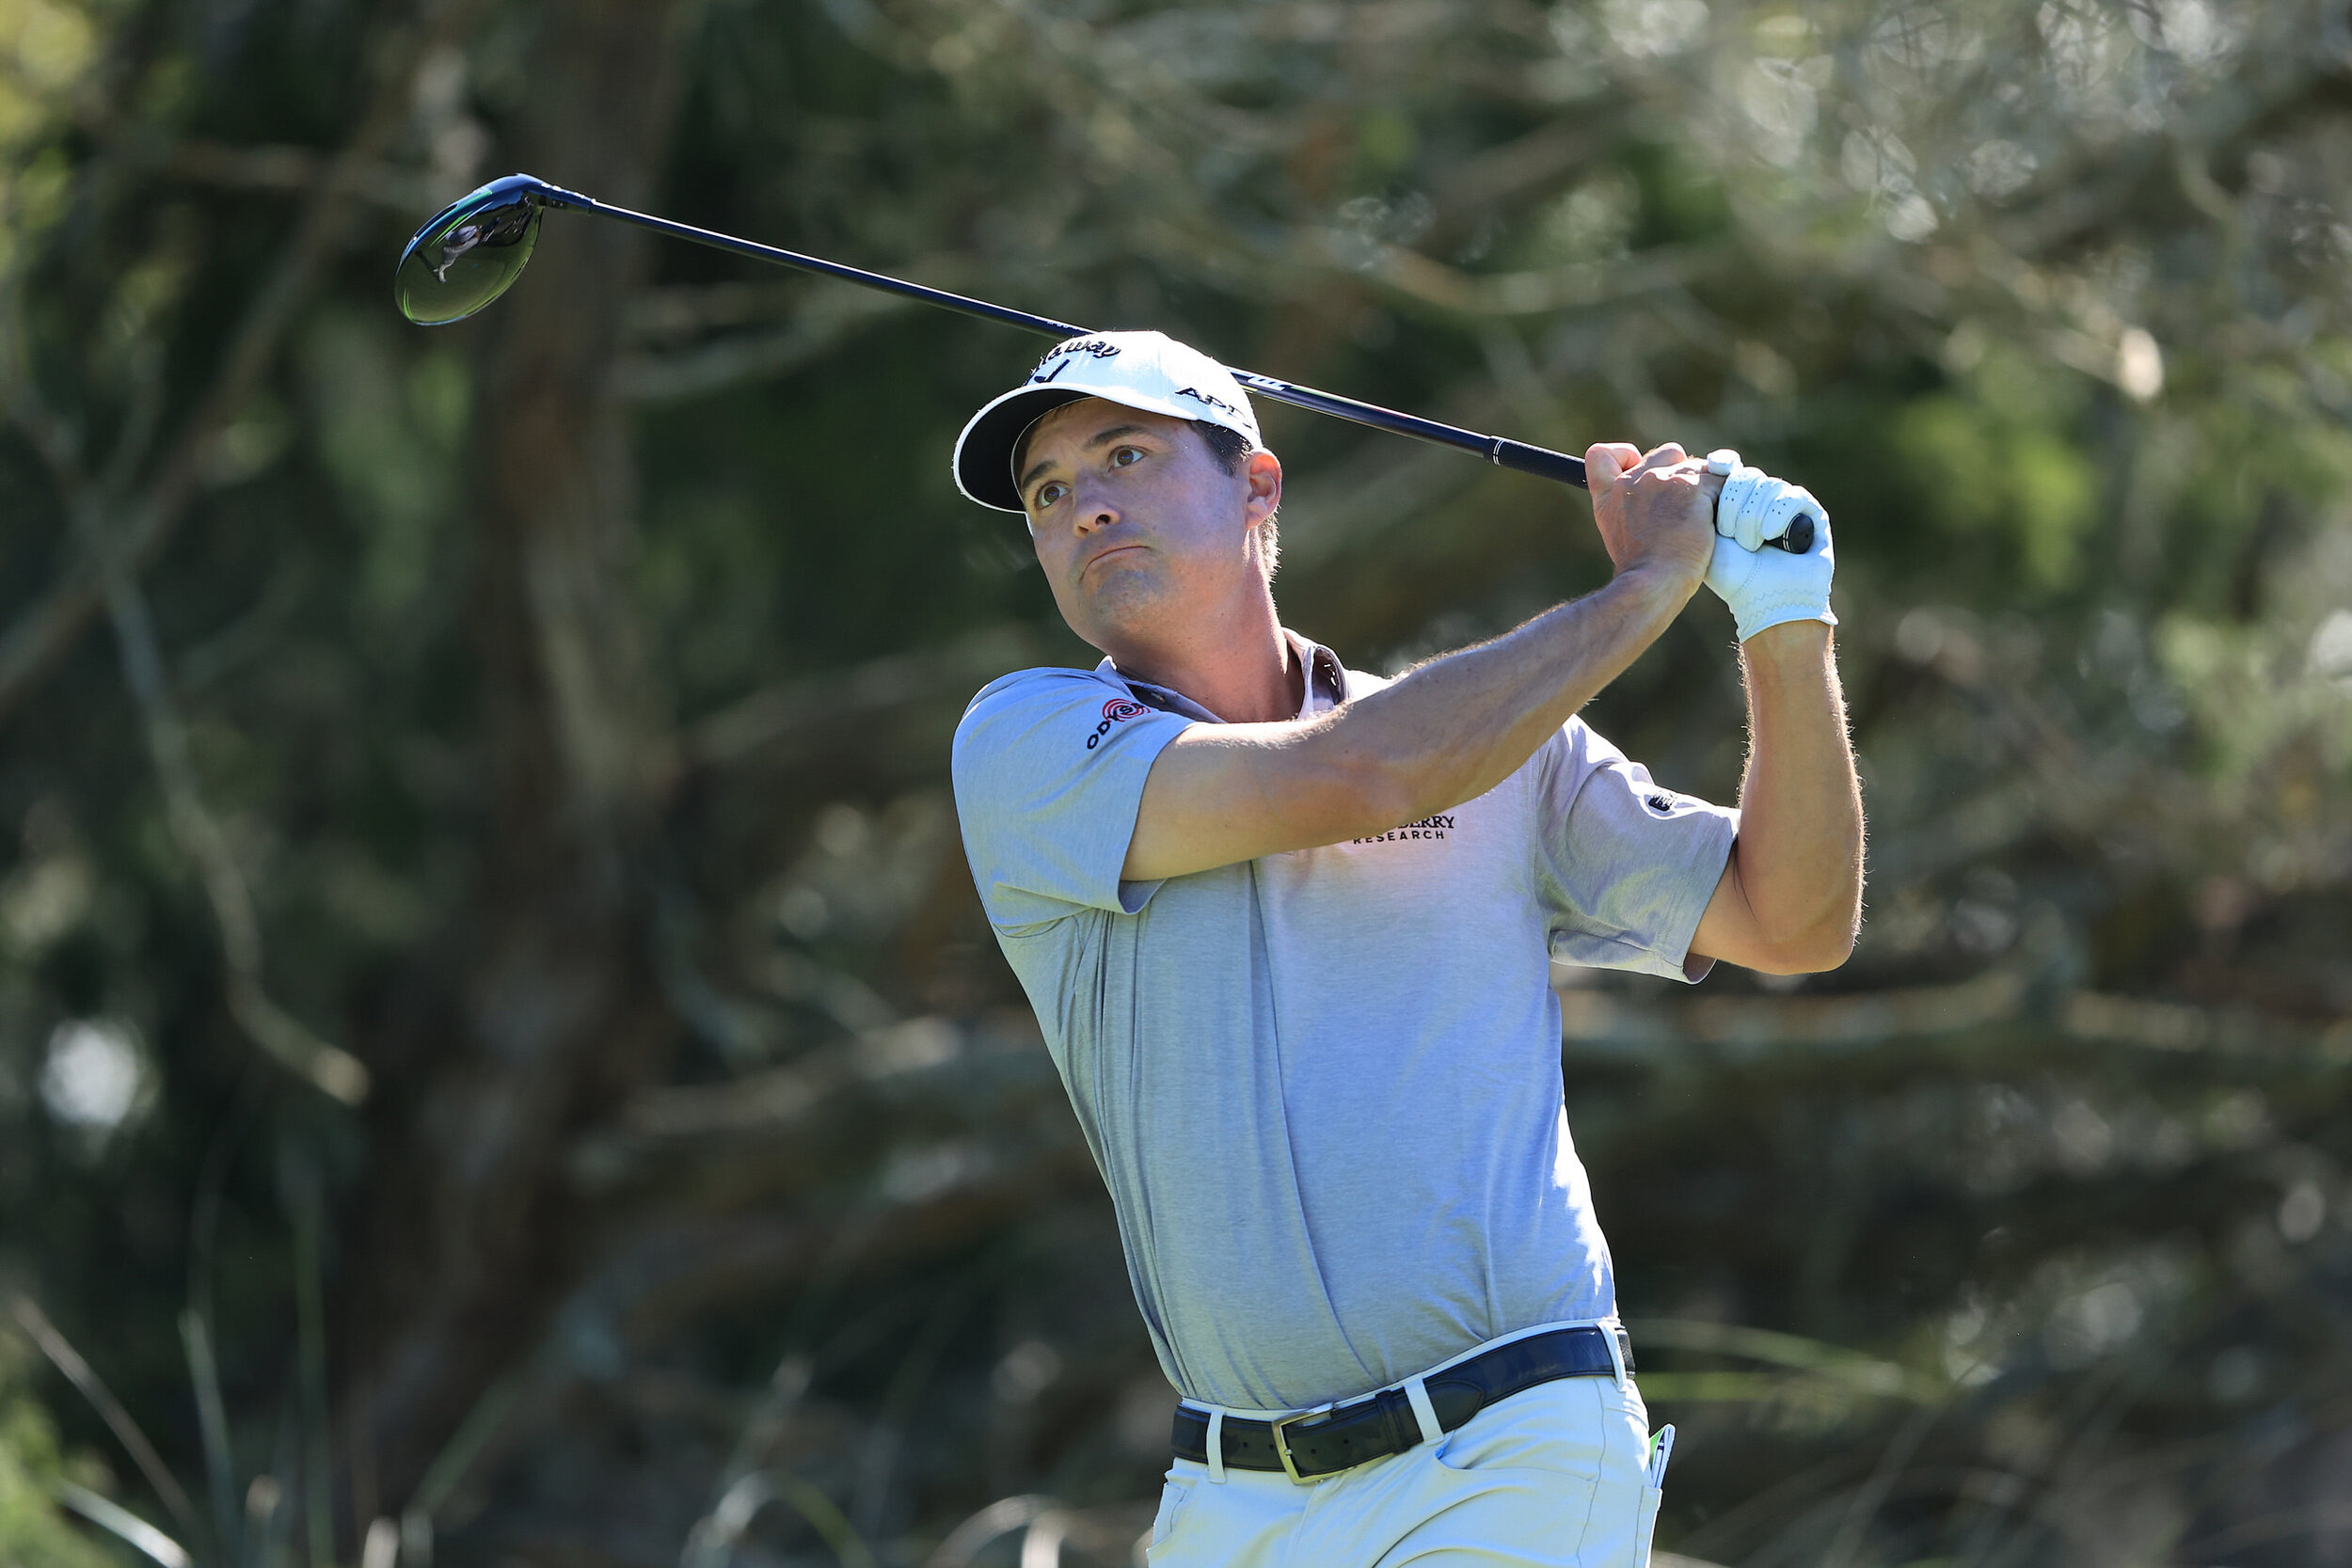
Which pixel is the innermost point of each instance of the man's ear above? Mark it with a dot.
(1263, 472)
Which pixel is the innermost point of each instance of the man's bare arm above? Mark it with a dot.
(1790, 897)
(1448, 731)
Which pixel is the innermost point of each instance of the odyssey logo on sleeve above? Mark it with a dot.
(1115, 710)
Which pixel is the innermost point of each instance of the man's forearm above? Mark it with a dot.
(1797, 860)
(1450, 730)
(1457, 726)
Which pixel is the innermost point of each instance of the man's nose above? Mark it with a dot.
(1094, 510)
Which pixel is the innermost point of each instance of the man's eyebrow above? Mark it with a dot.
(1101, 438)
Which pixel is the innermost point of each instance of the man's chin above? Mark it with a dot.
(1119, 601)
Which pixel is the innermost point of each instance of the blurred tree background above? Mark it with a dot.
(501, 1061)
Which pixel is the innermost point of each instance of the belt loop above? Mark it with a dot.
(1616, 1353)
(1217, 1445)
(1416, 1390)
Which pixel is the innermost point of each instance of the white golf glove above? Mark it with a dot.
(1767, 586)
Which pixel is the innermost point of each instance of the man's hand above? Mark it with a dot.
(1655, 513)
(1767, 587)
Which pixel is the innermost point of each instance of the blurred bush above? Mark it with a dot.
(34, 1531)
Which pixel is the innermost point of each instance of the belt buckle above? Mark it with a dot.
(1282, 1448)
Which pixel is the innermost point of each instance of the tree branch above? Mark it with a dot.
(41, 636)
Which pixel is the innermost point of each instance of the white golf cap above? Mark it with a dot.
(1149, 371)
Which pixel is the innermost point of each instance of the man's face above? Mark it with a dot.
(1134, 520)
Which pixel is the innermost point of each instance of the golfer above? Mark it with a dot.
(1288, 928)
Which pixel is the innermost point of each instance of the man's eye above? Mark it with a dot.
(1048, 494)
(1123, 456)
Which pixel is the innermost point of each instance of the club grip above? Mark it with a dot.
(1559, 467)
(1542, 461)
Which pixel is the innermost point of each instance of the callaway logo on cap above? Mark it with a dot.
(1149, 371)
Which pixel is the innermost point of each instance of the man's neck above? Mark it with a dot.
(1239, 666)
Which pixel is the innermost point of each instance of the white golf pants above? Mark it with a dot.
(1557, 1475)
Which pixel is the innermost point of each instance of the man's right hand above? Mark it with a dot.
(1655, 512)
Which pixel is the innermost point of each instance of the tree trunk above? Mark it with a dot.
(558, 1011)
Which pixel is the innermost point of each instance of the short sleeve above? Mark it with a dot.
(1049, 768)
(1625, 867)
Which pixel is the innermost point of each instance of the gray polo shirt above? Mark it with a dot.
(1324, 1086)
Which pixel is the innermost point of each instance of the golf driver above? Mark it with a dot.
(472, 250)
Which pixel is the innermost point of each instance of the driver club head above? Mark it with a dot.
(470, 251)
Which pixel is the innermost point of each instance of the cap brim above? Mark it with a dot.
(984, 451)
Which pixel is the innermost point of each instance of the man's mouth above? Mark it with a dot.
(1097, 559)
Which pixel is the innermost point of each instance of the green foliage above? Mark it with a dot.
(1987, 480)
(33, 1532)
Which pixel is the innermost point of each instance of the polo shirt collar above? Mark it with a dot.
(1327, 678)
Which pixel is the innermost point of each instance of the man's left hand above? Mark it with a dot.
(1767, 586)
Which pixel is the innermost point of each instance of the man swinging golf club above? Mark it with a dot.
(1288, 927)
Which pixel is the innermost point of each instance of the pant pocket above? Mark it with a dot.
(1172, 1500)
